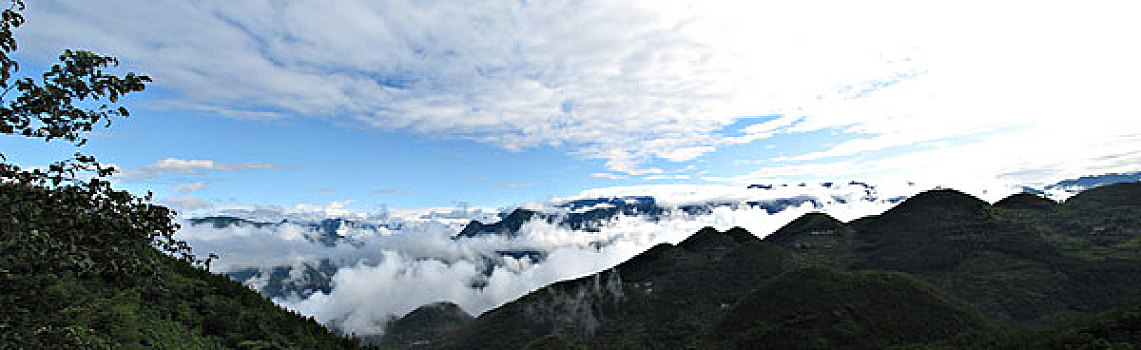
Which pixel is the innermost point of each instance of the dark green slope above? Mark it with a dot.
(1098, 220)
(1026, 201)
(1108, 197)
(659, 299)
(823, 308)
(1119, 328)
(423, 325)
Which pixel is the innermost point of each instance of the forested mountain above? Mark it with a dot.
(941, 269)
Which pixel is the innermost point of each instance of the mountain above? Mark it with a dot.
(226, 221)
(328, 232)
(311, 276)
(816, 238)
(588, 215)
(507, 226)
(284, 282)
(940, 268)
(581, 215)
(1088, 182)
(1067, 187)
(1026, 201)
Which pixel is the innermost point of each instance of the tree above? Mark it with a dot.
(87, 223)
(65, 227)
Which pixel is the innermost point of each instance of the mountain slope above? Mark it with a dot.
(817, 308)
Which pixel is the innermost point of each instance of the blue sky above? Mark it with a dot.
(412, 104)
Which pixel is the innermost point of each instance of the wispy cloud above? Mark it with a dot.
(668, 177)
(611, 176)
(814, 170)
(392, 191)
(188, 166)
(189, 187)
(186, 204)
(513, 185)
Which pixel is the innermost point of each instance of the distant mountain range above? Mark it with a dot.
(590, 214)
(940, 270)
(1083, 183)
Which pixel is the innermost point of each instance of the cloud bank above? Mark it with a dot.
(413, 259)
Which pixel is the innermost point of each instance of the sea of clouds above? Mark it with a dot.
(414, 260)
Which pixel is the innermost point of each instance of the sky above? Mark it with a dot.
(408, 104)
